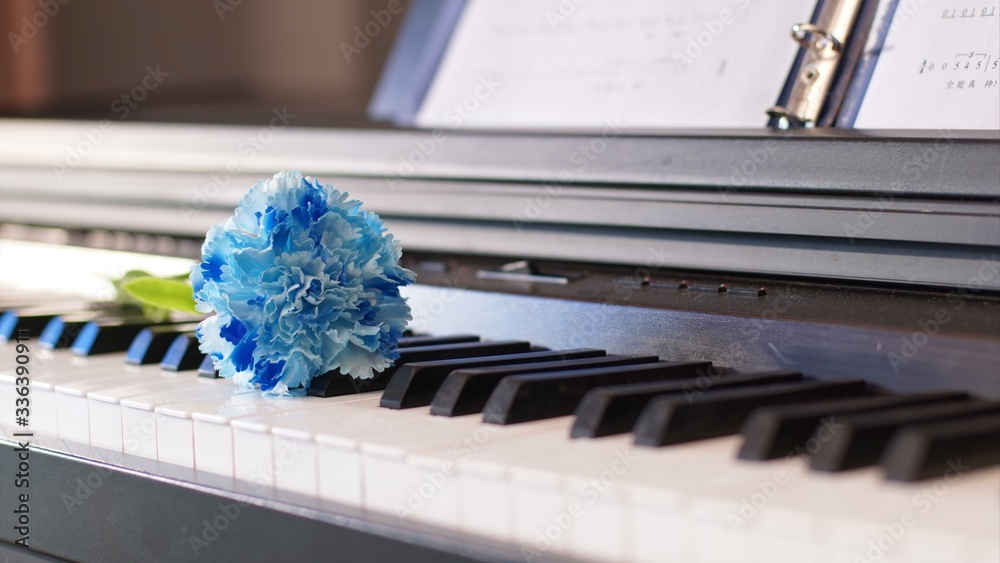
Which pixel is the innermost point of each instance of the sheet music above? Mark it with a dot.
(540, 64)
(939, 68)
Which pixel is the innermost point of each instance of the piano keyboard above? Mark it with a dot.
(580, 453)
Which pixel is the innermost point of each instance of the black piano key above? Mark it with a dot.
(614, 410)
(151, 344)
(183, 354)
(415, 384)
(105, 336)
(937, 449)
(523, 398)
(33, 318)
(207, 368)
(859, 440)
(424, 340)
(466, 391)
(675, 420)
(63, 330)
(12, 321)
(333, 383)
(777, 431)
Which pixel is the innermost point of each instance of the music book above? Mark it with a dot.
(931, 65)
(414, 59)
(654, 65)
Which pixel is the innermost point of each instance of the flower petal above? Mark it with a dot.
(302, 281)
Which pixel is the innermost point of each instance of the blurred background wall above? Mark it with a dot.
(226, 61)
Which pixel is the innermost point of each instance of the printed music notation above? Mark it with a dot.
(636, 63)
(963, 61)
(963, 72)
(939, 68)
(955, 13)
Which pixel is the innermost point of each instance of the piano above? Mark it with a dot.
(703, 346)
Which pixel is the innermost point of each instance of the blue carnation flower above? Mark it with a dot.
(302, 281)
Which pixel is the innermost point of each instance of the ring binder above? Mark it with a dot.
(801, 31)
(822, 43)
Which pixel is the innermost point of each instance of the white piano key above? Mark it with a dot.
(963, 512)
(542, 519)
(871, 517)
(424, 489)
(484, 505)
(173, 441)
(418, 453)
(106, 426)
(73, 400)
(43, 407)
(544, 506)
(657, 528)
(433, 490)
(699, 485)
(339, 431)
(385, 437)
(545, 473)
(135, 410)
(45, 395)
(62, 366)
(293, 446)
(180, 425)
(340, 473)
(299, 473)
(263, 458)
(114, 377)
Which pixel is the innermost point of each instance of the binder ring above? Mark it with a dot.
(801, 31)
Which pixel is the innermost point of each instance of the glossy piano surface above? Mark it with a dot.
(813, 256)
(199, 467)
(905, 207)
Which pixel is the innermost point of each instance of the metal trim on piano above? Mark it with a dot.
(917, 209)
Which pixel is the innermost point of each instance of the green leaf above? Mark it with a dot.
(163, 293)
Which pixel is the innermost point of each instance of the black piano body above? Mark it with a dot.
(837, 254)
